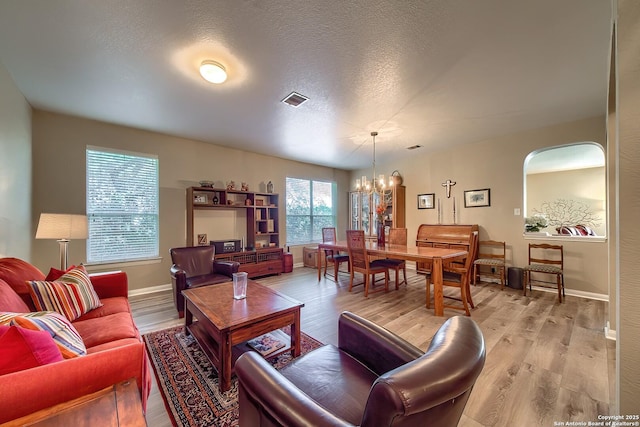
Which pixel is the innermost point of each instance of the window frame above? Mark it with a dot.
(310, 215)
(152, 191)
(526, 209)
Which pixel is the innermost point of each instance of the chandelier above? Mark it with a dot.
(375, 184)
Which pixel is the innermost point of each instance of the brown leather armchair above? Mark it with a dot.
(195, 266)
(373, 378)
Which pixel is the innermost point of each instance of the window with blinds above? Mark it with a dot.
(122, 206)
(309, 208)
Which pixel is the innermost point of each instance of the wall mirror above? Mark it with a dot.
(565, 191)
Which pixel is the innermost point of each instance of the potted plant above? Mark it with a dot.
(535, 223)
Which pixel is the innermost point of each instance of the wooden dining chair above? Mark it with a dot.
(332, 257)
(491, 254)
(359, 262)
(546, 259)
(459, 277)
(397, 236)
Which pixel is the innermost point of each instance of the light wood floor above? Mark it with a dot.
(545, 361)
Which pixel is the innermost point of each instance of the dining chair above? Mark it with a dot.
(334, 257)
(359, 262)
(546, 259)
(491, 254)
(459, 277)
(397, 236)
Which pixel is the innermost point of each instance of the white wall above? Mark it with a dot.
(15, 171)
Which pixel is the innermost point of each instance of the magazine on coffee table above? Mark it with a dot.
(269, 342)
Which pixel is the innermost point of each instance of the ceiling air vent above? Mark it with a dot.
(413, 147)
(295, 99)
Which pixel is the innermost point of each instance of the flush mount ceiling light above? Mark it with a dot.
(213, 72)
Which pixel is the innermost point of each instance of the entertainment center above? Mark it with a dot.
(261, 254)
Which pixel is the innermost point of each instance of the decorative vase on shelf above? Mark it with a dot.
(380, 232)
(269, 187)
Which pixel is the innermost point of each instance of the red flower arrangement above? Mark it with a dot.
(380, 210)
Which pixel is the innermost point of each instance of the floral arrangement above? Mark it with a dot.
(535, 223)
(380, 210)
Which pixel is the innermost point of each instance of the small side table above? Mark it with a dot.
(117, 405)
(310, 256)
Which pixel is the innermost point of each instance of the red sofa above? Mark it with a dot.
(115, 350)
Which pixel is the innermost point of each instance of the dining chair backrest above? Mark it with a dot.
(398, 236)
(491, 254)
(357, 249)
(546, 259)
(473, 252)
(544, 253)
(491, 249)
(458, 276)
(466, 265)
(328, 234)
(330, 256)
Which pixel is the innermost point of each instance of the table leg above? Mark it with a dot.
(436, 277)
(319, 262)
(188, 317)
(225, 363)
(295, 335)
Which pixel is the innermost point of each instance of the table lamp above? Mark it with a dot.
(62, 227)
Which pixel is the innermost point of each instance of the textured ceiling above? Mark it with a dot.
(434, 73)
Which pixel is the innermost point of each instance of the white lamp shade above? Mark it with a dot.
(62, 226)
(213, 72)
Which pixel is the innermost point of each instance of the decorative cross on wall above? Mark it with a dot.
(448, 183)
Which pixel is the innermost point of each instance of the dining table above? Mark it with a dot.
(437, 256)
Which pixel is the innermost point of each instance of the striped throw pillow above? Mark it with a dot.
(71, 295)
(63, 333)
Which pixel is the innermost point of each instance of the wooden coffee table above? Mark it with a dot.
(222, 325)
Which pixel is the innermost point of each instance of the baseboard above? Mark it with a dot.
(576, 293)
(489, 279)
(410, 266)
(150, 290)
(610, 333)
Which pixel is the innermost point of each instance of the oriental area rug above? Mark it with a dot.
(188, 382)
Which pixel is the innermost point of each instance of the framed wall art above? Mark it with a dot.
(425, 201)
(477, 198)
(202, 240)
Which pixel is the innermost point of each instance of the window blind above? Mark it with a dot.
(309, 208)
(122, 206)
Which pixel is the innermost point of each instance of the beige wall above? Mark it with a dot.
(59, 144)
(498, 164)
(60, 140)
(15, 171)
(582, 185)
(628, 180)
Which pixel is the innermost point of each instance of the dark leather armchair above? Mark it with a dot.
(373, 378)
(195, 266)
